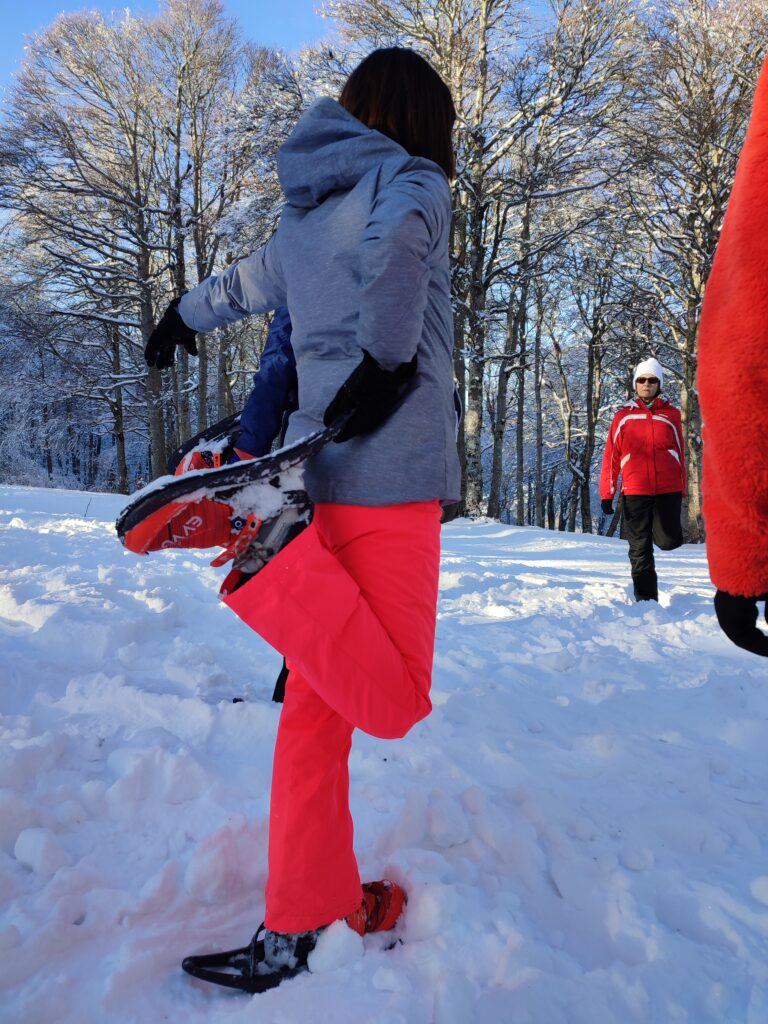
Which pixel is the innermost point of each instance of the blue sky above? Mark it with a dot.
(287, 24)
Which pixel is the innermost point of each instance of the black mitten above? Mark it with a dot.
(607, 506)
(738, 620)
(170, 332)
(368, 396)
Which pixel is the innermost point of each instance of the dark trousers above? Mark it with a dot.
(650, 519)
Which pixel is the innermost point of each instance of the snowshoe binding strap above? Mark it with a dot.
(261, 539)
(244, 533)
(244, 969)
(198, 460)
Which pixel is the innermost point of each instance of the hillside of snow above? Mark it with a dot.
(581, 824)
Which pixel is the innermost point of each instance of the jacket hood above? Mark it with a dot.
(328, 151)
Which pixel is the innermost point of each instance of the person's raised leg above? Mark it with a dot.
(352, 603)
(667, 527)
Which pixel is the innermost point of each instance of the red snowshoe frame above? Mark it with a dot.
(182, 524)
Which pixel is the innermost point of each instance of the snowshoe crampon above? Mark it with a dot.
(209, 507)
(211, 448)
(244, 969)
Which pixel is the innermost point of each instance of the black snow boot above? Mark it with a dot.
(646, 585)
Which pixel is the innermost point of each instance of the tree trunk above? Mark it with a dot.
(551, 499)
(116, 405)
(573, 502)
(520, 430)
(473, 425)
(225, 404)
(179, 265)
(592, 410)
(514, 350)
(563, 511)
(498, 429)
(690, 413)
(45, 431)
(202, 382)
(521, 331)
(458, 234)
(691, 417)
(475, 343)
(538, 481)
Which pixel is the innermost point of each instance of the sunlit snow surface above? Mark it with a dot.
(581, 824)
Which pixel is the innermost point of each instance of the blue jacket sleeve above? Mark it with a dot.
(274, 390)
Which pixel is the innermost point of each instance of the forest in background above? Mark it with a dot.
(597, 142)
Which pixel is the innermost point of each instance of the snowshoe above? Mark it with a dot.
(249, 969)
(220, 506)
(211, 448)
(272, 956)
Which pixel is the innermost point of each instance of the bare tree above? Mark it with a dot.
(596, 148)
(123, 167)
(701, 61)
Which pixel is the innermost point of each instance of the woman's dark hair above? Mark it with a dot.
(399, 94)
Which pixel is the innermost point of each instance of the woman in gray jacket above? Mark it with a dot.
(360, 258)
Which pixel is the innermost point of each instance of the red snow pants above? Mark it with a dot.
(351, 604)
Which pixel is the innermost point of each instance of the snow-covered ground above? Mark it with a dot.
(581, 824)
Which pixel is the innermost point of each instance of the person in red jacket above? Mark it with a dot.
(645, 448)
(733, 390)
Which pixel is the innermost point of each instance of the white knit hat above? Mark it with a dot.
(649, 368)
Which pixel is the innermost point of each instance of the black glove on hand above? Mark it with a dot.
(738, 620)
(369, 395)
(170, 332)
(607, 506)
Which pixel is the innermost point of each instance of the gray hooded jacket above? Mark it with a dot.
(360, 257)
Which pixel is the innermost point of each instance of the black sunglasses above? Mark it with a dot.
(646, 380)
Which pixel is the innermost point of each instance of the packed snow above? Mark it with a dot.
(580, 824)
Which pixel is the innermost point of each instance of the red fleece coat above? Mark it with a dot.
(733, 375)
(645, 446)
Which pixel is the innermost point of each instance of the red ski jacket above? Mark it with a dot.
(645, 446)
(733, 374)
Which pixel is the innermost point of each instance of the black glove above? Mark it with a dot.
(170, 332)
(738, 620)
(607, 506)
(368, 396)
